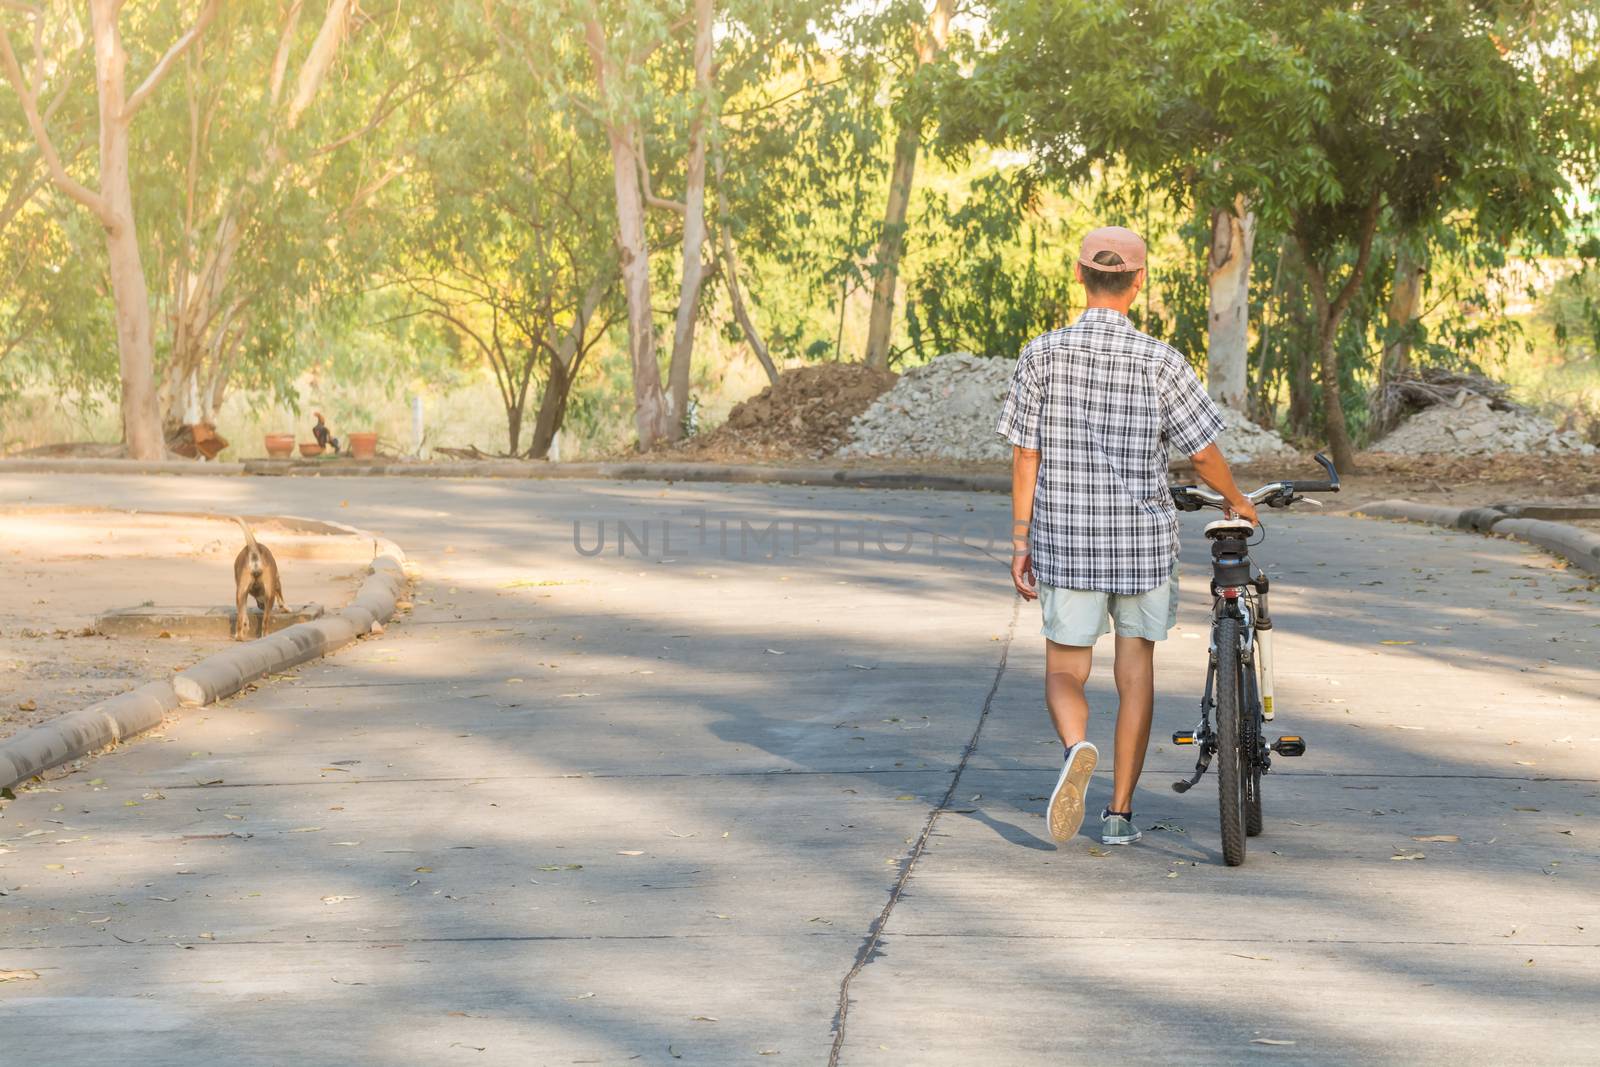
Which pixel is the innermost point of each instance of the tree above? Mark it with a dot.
(505, 245)
(112, 202)
(295, 132)
(928, 45)
(1325, 115)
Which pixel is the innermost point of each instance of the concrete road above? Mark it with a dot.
(713, 803)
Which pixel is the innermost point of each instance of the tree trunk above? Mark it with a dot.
(694, 230)
(514, 426)
(1300, 390)
(892, 238)
(650, 416)
(1344, 457)
(1330, 314)
(141, 419)
(1404, 309)
(552, 410)
(1233, 235)
(731, 269)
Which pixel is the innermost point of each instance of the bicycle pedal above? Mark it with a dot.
(1289, 745)
(1183, 737)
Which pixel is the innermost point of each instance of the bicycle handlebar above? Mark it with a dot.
(1276, 494)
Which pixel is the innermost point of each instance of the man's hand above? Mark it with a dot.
(1022, 574)
(1213, 470)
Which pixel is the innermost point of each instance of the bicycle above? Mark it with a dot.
(1239, 674)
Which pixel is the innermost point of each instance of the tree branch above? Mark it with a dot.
(650, 198)
(165, 64)
(30, 108)
(1369, 227)
(316, 66)
(280, 59)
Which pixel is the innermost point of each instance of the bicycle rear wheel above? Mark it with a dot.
(1250, 735)
(1233, 763)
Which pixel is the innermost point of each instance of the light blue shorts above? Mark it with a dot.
(1082, 616)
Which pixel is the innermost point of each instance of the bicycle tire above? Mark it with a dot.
(1231, 762)
(1251, 736)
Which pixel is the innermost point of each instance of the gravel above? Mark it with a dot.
(1469, 426)
(1242, 441)
(947, 409)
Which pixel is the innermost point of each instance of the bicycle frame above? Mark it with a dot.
(1248, 606)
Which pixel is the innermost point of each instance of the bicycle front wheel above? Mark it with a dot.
(1233, 762)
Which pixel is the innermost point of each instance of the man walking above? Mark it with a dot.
(1092, 410)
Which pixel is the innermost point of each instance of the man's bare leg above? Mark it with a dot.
(1135, 672)
(1066, 670)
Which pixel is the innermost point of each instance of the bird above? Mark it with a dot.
(323, 435)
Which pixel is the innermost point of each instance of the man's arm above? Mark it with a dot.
(1024, 478)
(1213, 470)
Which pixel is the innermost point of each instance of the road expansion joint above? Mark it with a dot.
(869, 944)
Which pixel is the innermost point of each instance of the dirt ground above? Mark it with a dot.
(59, 570)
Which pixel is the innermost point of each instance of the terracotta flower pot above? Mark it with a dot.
(363, 445)
(280, 445)
(310, 449)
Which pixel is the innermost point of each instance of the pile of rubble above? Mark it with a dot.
(806, 415)
(1472, 424)
(945, 409)
(1242, 441)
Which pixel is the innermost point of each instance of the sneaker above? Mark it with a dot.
(1065, 814)
(1118, 829)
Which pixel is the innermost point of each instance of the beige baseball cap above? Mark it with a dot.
(1119, 239)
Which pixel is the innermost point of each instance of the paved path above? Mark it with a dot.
(657, 810)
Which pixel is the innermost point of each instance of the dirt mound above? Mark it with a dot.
(806, 415)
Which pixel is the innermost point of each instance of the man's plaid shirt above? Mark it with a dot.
(1101, 402)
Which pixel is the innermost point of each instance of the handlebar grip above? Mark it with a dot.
(1314, 487)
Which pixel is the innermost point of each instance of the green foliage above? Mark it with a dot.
(1002, 278)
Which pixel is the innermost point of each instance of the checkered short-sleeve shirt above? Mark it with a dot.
(1101, 402)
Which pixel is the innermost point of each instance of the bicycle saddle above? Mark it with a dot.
(1230, 528)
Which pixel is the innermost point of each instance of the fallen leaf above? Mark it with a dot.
(303, 830)
(1274, 1040)
(630, 852)
(1436, 837)
(702, 1018)
(337, 899)
(423, 870)
(581, 996)
(775, 652)
(1390, 643)
(18, 976)
(28, 705)
(1408, 856)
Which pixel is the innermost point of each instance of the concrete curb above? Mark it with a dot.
(861, 478)
(1578, 547)
(81, 732)
(118, 718)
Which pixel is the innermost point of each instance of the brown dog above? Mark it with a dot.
(255, 574)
